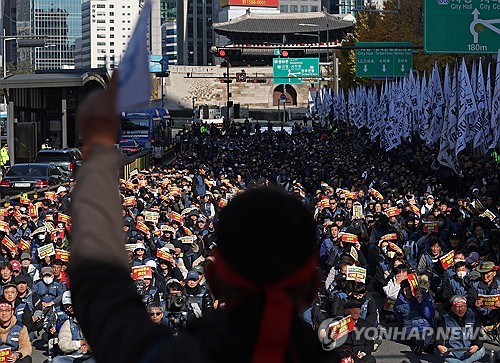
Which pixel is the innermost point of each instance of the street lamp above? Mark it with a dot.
(194, 99)
(23, 41)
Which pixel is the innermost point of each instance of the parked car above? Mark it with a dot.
(130, 147)
(69, 160)
(22, 178)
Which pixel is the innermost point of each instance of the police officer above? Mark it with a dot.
(4, 158)
(464, 342)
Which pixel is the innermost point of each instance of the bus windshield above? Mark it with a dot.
(135, 124)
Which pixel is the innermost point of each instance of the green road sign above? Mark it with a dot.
(296, 70)
(467, 26)
(371, 62)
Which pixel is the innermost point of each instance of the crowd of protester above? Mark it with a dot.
(394, 214)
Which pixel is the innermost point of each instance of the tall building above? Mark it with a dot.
(61, 23)
(350, 6)
(302, 6)
(194, 32)
(169, 37)
(168, 18)
(107, 26)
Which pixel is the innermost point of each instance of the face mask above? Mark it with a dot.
(48, 280)
(60, 225)
(461, 274)
(41, 236)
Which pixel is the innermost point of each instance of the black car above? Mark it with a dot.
(22, 178)
(69, 160)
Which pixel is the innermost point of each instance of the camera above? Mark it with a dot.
(49, 319)
(177, 313)
(177, 303)
(140, 287)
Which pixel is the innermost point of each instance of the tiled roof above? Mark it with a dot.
(282, 23)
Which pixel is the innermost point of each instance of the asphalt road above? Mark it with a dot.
(388, 352)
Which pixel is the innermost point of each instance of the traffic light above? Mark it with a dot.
(257, 80)
(225, 80)
(221, 53)
(291, 53)
(284, 53)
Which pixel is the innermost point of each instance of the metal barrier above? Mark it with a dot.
(139, 161)
(34, 195)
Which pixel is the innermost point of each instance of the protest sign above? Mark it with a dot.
(23, 244)
(389, 237)
(395, 248)
(413, 280)
(50, 196)
(151, 216)
(376, 194)
(354, 253)
(141, 272)
(357, 210)
(348, 237)
(162, 254)
(129, 201)
(46, 250)
(355, 273)
(489, 214)
(130, 246)
(392, 211)
(5, 355)
(174, 216)
(4, 227)
(430, 227)
(187, 239)
(488, 300)
(62, 255)
(9, 244)
(340, 328)
(448, 260)
(61, 217)
(142, 227)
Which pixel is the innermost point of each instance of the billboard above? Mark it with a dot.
(158, 64)
(264, 3)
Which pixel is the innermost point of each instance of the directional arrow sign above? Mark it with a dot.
(471, 26)
(383, 62)
(295, 70)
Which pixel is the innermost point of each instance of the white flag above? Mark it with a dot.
(437, 106)
(134, 82)
(495, 107)
(447, 156)
(479, 115)
(466, 105)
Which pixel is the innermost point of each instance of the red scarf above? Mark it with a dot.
(277, 316)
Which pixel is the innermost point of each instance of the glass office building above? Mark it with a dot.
(61, 22)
